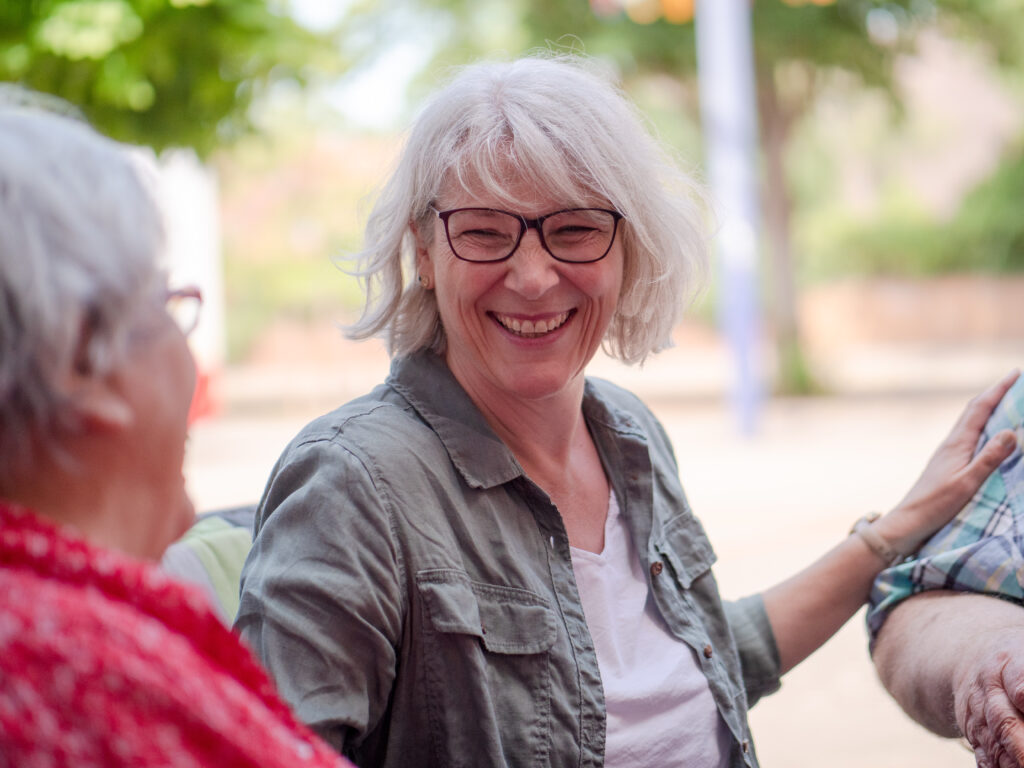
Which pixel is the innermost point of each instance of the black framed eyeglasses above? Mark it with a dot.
(183, 305)
(574, 235)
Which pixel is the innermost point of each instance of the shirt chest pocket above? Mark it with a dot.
(687, 595)
(684, 586)
(486, 660)
(505, 619)
(684, 547)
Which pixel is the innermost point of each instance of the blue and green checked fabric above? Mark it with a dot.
(982, 548)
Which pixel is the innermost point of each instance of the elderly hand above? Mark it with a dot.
(988, 698)
(953, 474)
(953, 662)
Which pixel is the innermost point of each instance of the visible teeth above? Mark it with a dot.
(530, 327)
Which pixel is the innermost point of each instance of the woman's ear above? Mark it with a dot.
(424, 263)
(98, 403)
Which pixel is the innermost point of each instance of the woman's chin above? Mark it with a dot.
(540, 387)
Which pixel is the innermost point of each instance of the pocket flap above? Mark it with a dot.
(505, 619)
(685, 534)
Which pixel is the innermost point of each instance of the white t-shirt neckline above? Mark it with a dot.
(660, 710)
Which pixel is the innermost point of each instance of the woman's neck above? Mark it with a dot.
(539, 431)
(106, 512)
(549, 437)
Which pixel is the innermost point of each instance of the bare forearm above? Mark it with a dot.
(808, 608)
(931, 644)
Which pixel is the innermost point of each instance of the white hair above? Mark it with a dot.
(79, 237)
(558, 124)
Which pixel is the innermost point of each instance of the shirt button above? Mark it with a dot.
(708, 652)
(656, 568)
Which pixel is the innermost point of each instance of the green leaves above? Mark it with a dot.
(90, 29)
(160, 72)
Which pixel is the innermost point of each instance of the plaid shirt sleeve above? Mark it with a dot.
(982, 548)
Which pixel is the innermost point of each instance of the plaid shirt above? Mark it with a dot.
(982, 548)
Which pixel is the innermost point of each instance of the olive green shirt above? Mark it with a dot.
(412, 591)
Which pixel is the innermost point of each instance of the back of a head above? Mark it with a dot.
(79, 235)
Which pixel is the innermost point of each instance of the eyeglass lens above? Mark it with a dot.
(183, 306)
(480, 234)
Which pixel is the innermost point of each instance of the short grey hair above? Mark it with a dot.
(79, 237)
(560, 124)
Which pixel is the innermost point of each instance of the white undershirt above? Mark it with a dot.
(660, 708)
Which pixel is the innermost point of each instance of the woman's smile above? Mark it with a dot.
(532, 329)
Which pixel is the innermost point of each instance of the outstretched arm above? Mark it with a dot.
(954, 663)
(808, 608)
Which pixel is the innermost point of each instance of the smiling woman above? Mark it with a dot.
(489, 559)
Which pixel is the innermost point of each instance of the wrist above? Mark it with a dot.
(870, 531)
(902, 530)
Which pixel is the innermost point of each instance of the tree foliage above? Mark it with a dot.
(986, 235)
(159, 72)
(859, 36)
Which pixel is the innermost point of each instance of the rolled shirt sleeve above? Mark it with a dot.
(759, 656)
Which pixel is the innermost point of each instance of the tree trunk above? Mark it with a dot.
(793, 375)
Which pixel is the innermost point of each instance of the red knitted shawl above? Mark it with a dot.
(105, 661)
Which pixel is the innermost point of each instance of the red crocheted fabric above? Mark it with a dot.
(105, 661)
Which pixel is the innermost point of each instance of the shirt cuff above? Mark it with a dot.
(759, 656)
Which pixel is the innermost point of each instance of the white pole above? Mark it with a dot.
(725, 65)
(191, 207)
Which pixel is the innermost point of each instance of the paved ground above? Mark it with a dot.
(771, 503)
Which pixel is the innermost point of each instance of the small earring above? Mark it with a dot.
(425, 282)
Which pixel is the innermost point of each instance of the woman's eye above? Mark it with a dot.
(484, 235)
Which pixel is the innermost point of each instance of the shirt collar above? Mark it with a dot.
(484, 461)
(424, 380)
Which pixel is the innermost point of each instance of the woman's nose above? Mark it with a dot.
(531, 269)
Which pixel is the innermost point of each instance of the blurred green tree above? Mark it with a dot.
(799, 45)
(985, 236)
(166, 73)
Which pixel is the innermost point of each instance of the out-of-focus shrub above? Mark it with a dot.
(986, 235)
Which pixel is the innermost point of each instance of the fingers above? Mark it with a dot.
(1007, 714)
(1006, 732)
(977, 414)
(991, 456)
(990, 716)
(981, 407)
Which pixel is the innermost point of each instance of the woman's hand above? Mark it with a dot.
(806, 609)
(953, 474)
